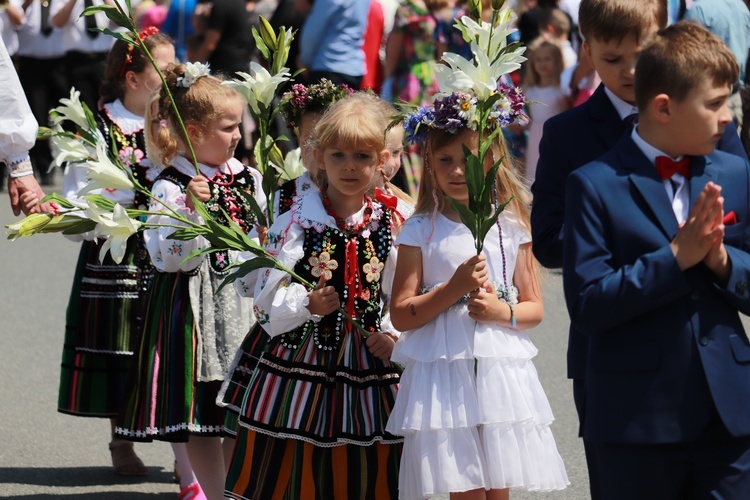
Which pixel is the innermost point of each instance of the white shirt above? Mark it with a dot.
(17, 124)
(677, 187)
(8, 33)
(624, 109)
(32, 43)
(74, 36)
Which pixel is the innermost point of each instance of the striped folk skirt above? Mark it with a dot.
(163, 399)
(101, 329)
(270, 468)
(312, 425)
(235, 386)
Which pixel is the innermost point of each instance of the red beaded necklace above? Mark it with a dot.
(219, 173)
(341, 223)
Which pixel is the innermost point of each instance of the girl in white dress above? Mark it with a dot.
(542, 87)
(470, 406)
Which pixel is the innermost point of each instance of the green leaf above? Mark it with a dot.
(247, 267)
(60, 200)
(100, 201)
(79, 227)
(255, 208)
(197, 253)
(184, 234)
(467, 217)
(113, 14)
(261, 45)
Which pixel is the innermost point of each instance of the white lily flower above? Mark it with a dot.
(69, 150)
(259, 88)
(72, 110)
(117, 227)
(479, 77)
(293, 166)
(104, 174)
(488, 39)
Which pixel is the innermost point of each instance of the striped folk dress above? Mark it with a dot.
(313, 415)
(191, 330)
(105, 306)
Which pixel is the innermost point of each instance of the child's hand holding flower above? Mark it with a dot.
(381, 345)
(200, 189)
(469, 276)
(323, 300)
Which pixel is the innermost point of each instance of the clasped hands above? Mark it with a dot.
(701, 237)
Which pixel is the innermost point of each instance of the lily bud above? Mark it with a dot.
(31, 224)
(267, 33)
(497, 4)
(475, 9)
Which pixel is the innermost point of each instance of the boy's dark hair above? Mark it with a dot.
(680, 58)
(608, 20)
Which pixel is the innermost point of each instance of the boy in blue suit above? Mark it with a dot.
(613, 32)
(656, 268)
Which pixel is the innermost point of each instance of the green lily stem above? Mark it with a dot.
(340, 309)
(171, 101)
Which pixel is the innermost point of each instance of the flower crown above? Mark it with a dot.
(193, 71)
(151, 30)
(458, 110)
(315, 97)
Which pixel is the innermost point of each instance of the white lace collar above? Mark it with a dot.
(129, 123)
(309, 212)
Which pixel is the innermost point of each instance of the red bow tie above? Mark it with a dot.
(667, 167)
(389, 200)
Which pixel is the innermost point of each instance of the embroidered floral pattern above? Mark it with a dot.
(131, 156)
(323, 265)
(261, 315)
(175, 249)
(372, 270)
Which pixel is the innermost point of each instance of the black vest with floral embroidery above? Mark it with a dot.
(227, 195)
(131, 150)
(326, 251)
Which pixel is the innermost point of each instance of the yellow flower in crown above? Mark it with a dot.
(323, 265)
(373, 269)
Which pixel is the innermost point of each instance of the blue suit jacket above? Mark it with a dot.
(666, 346)
(569, 141)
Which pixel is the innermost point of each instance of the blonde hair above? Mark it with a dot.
(393, 127)
(356, 120)
(200, 104)
(531, 77)
(431, 198)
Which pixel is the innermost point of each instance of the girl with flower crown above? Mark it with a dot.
(105, 307)
(191, 329)
(473, 414)
(312, 422)
(302, 108)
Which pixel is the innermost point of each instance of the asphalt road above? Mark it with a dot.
(45, 454)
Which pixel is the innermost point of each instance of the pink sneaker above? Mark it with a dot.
(192, 491)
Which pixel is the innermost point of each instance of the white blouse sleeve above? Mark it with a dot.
(166, 254)
(17, 124)
(281, 305)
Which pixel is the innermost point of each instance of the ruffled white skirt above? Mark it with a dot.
(473, 421)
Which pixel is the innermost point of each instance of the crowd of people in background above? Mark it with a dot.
(387, 48)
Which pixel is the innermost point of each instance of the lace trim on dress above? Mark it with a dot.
(129, 123)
